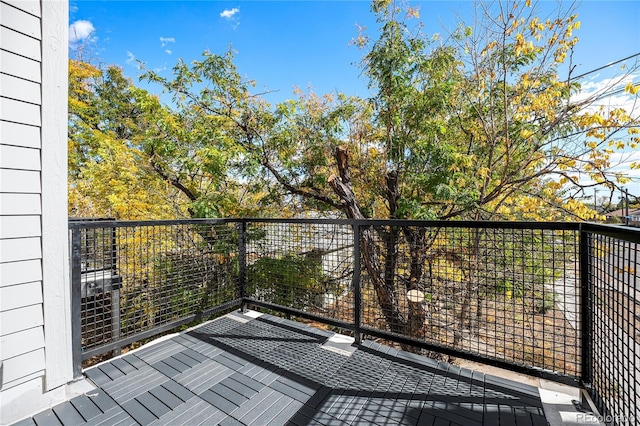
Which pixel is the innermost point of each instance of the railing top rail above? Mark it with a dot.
(569, 226)
(622, 232)
(84, 224)
(482, 224)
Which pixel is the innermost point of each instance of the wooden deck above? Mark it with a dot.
(263, 370)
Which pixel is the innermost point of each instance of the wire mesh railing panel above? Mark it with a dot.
(508, 294)
(516, 294)
(157, 274)
(615, 327)
(303, 266)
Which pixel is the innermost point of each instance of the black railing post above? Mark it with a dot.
(586, 299)
(242, 260)
(357, 290)
(115, 294)
(76, 302)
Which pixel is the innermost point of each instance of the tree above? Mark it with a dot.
(130, 157)
(480, 125)
(108, 172)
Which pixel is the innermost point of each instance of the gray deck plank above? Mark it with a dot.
(134, 361)
(165, 369)
(123, 366)
(218, 402)
(67, 414)
(178, 390)
(287, 412)
(247, 381)
(138, 411)
(230, 421)
(371, 417)
(192, 412)
(102, 400)
(266, 376)
(86, 407)
(199, 346)
(352, 411)
(186, 360)
(229, 360)
(160, 351)
(110, 370)
(321, 417)
(239, 387)
(47, 418)
(176, 363)
(25, 422)
(134, 385)
(203, 376)
(153, 404)
(299, 393)
(454, 413)
(300, 419)
(272, 371)
(267, 409)
(97, 376)
(229, 394)
(112, 417)
(191, 353)
(167, 398)
(243, 410)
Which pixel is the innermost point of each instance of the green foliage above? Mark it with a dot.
(291, 280)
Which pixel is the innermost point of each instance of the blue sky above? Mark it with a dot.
(284, 44)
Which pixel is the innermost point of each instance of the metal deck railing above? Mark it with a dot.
(554, 300)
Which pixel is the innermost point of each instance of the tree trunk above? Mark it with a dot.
(417, 252)
(371, 258)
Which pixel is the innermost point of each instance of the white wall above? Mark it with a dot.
(34, 284)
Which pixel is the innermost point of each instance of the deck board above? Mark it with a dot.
(240, 370)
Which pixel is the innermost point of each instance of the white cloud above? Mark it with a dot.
(608, 93)
(168, 52)
(80, 30)
(131, 60)
(229, 13)
(165, 40)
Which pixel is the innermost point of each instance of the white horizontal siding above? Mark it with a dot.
(24, 41)
(20, 158)
(30, 6)
(20, 204)
(14, 273)
(20, 112)
(22, 342)
(19, 181)
(23, 367)
(19, 66)
(15, 296)
(21, 44)
(17, 385)
(15, 249)
(20, 21)
(18, 134)
(19, 226)
(15, 320)
(19, 89)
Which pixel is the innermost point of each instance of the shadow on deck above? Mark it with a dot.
(260, 369)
